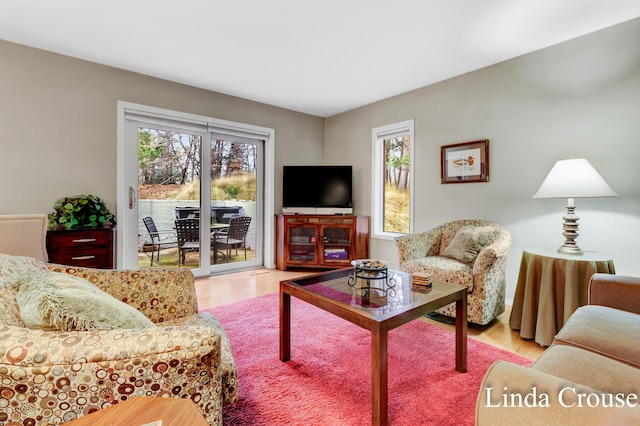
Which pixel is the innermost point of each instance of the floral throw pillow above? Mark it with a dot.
(468, 241)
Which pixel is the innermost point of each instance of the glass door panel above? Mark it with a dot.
(234, 170)
(168, 190)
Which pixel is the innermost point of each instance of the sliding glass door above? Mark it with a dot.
(194, 196)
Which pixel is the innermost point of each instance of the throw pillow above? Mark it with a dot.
(57, 301)
(15, 268)
(468, 242)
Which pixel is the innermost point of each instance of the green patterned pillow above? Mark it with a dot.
(56, 301)
(468, 241)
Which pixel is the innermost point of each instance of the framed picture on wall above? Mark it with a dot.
(465, 162)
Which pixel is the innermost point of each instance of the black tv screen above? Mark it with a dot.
(317, 189)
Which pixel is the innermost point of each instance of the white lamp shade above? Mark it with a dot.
(574, 178)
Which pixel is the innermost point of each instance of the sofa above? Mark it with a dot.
(49, 376)
(589, 375)
(472, 253)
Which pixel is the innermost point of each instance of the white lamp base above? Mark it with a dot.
(564, 249)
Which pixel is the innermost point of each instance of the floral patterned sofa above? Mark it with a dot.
(52, 377)
(472, 253)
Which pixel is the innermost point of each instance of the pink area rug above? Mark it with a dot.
(328, 380)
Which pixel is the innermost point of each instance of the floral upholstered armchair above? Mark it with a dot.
(472, 253)
(50, 376)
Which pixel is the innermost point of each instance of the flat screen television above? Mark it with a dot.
(317, 189)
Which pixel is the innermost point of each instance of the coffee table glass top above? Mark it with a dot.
(374, 296)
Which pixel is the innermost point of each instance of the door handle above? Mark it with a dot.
(132, 197)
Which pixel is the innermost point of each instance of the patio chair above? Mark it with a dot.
(235, 236)
(188, 231)
(158, 238)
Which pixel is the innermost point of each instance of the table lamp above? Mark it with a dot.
(573, 178)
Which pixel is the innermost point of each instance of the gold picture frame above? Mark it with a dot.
(465, 162)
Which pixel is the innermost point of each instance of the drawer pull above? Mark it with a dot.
(85, 240)
(83, 257)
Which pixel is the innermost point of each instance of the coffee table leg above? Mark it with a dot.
(379, 377)
(285, 326)
(461, 334)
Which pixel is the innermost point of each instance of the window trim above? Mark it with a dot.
(378, 135)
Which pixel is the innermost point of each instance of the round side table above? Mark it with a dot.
(551, 286)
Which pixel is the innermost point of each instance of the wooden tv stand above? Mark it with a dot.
(320, 241)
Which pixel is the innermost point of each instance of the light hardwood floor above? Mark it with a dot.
(229, 288)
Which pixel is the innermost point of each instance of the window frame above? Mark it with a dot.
(378, 135)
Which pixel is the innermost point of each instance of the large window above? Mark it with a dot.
(392, 179)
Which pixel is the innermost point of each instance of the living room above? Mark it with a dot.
(578, 98)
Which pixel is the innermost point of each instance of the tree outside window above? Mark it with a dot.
(397, 182)
(392, 192)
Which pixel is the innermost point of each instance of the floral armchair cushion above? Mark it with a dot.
(468, 241)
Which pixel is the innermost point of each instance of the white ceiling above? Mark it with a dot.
(320, 57)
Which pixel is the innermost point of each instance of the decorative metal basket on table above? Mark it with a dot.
(371, 282)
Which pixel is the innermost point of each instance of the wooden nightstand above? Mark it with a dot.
(89, 248)
(142, 410)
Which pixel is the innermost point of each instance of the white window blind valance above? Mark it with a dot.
(393, 130)
(220, 129)
(188, 126)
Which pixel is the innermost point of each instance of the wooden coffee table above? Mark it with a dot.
(331, 292)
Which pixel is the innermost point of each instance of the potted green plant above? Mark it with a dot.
(80, 211)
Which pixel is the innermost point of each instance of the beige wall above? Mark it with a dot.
(580, 99)
(58, 125)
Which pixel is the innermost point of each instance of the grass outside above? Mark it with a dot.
(234, 187)
(396, 209)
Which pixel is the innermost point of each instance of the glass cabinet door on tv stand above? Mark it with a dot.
(322, 241)
(336, 243)
(302, 244)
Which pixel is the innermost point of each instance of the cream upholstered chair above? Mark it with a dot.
(472, 253)
(595, 353)
(24, 235)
